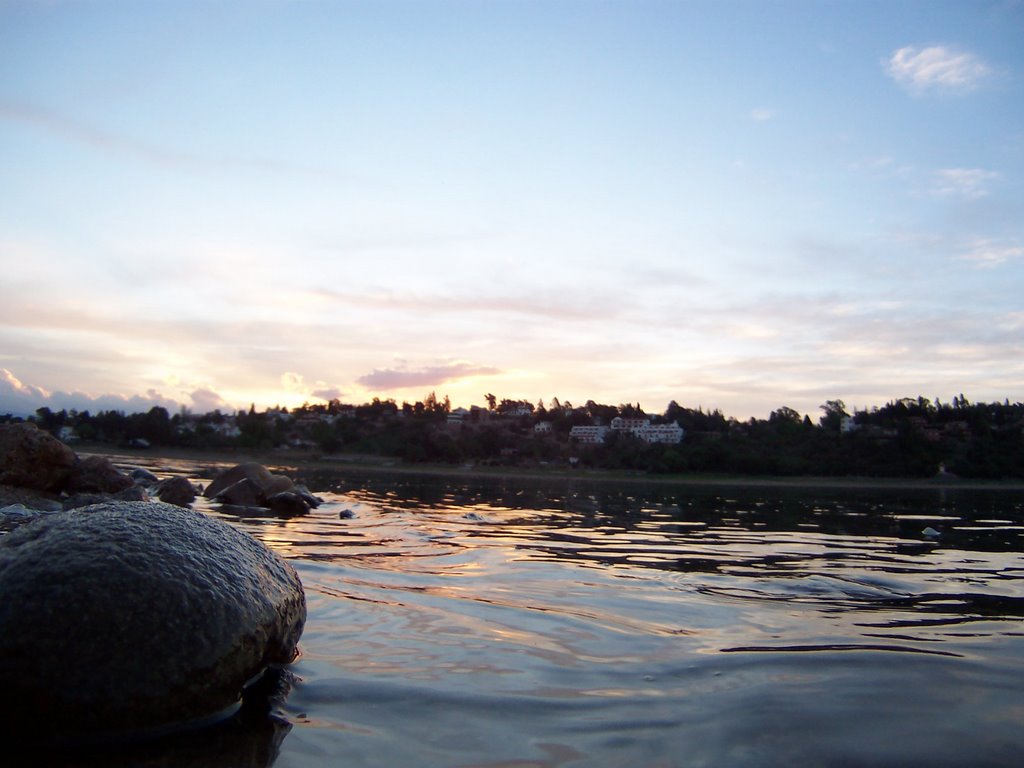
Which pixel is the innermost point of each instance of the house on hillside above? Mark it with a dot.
(588, 434)
(458, 416)
(630, 424)
(642, 428)
(670, 433)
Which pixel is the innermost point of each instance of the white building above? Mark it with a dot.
(458, 416)
(642, 428)
(584, 434)
(631, 424)
(670, 433)
(542, 428)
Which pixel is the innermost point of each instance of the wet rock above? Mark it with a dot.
(132, 493)
(268, 482)
(28, 497)
(97, 474)
(130, 617)
(14, 515)
(32, 458)
(253, 485)
(312, 501)
(287, 504)
(176, 490)
(244, 493)
(143, 476)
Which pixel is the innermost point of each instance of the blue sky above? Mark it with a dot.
(728, 204)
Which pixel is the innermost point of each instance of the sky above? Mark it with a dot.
(733, 205)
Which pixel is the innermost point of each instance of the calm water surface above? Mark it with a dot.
(480, 622)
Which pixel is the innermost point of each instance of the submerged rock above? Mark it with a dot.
(176, 490)
(287, 504)
(244, 493)
(253, 485)
(133, 617)
(257, 474)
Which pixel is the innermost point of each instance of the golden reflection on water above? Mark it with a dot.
(443, 613)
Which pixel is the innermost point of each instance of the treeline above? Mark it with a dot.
(908, 437)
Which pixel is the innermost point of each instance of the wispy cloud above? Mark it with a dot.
(991, 253)
(970, 183)
(936, 68)
(542, 304)
(89, 135)
(387, 379)
(762, 114)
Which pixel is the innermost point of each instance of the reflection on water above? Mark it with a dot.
(480, 622)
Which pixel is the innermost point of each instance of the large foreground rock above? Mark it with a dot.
(32, 458)
(134, 616)
(35, 460)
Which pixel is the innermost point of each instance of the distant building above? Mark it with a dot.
(542, 428)
(670, 433)
(586, 434)
(458, 416)
(630, 424)
(227, 429)
(642, 428)
(516, 410)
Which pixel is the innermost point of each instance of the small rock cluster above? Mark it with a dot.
(253, 485)
(38, 473)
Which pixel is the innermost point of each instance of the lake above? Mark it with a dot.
(469, 621)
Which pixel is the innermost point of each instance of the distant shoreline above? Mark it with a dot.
(354, 464)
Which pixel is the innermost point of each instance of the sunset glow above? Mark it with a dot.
(732, 205)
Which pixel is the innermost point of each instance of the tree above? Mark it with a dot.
(784, 415)
(835, 412)
(492, 401)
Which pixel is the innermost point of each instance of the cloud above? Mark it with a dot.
(328, 393)
(293, 382)
(19, 398)
(322, 390)
(402, 378)
(544, 304)
(762, 114)
(205, 400)
(970, 183)
(22, 399)
(991, 253)
(89, 135)
(936, 68)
